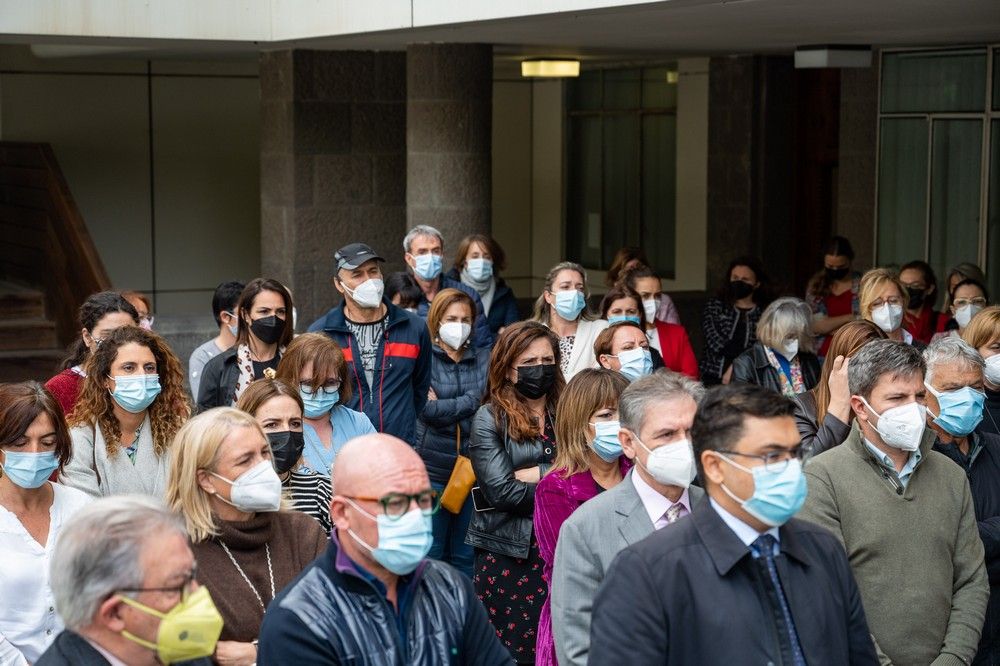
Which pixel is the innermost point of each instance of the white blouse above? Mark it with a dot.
(28, 620)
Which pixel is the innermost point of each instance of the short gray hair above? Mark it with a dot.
(99, 551)
(878, 358)
(952, 349)
(661, 386)
(421, 230)
(782, 318)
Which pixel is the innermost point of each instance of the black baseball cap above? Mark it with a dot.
(353, 255)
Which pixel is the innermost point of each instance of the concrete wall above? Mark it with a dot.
(161, 157)
(858, 150)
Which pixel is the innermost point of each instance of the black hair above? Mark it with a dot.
(929, 278)
(403, 284)
(718, 423)
(838, 246)
(226, 298)
(92, 311)
(972, 281)
(761, 296)
(249, 295)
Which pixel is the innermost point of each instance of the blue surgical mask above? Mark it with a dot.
(616, 319)
(29, 470)
(427, 266)
(402, 543)
(777, 496)
(316, 404)
(134, 393)
(961, 410)
(480, 269)
(233, 328)
(569, 304)
(606, 444)
(636, 363)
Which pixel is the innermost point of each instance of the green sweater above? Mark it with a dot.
(915, 552)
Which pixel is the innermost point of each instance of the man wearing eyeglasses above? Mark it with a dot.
(740, 581)
(373, 598)
(904, 514)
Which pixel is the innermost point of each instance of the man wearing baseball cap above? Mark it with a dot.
(387, 349)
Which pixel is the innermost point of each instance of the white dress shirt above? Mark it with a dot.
(656, 505)
(746, 533)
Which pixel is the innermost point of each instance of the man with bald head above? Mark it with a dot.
(373, 598)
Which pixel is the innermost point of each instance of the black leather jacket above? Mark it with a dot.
(506, 528)
(218, 381)
(752, 367)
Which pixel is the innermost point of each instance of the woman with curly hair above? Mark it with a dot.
(131, 406)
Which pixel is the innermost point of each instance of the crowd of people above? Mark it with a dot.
(426, 477)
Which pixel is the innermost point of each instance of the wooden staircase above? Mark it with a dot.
(29, 346)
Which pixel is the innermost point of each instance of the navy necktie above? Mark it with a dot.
(763, 549)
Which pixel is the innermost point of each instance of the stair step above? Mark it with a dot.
(36, 364)
(17, 302)
(27, 334)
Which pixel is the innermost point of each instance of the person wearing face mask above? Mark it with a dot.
(968, 299)
(315, 364)
(589, 461)
(898, 506)
(782, 358)
(415, 609)
(919, 317)
(386, 349)
(424, 247)
(563, 308)
(983, 333)
(458, 382)
(729, 321)
(225, 302)
(883, 299)
(263, 331)
(668, 344)
(278, 409)
(832, 293)
(624, 348)
(666, 336)
(223, 482)
(100, 314)
(124, 582)
(478, 262)
(741, 581)
(34, 443)
(655, 415)
(627, 259)
(954, 410)
(132, 403)
(512, 446)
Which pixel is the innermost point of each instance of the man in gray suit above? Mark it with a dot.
(656, 413)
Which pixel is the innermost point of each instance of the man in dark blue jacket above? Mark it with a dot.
(738, 581)
(373, 598)
(424, 248)
(387, 349)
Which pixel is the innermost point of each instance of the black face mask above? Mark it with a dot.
(286, 449)
(740, 289)
(534, 381)
(916, 298)
(268, 329)
(834, 274)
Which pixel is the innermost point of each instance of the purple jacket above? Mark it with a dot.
(555, 499)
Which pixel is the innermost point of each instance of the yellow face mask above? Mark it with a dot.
(189, 630)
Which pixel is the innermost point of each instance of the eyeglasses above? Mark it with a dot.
(962, 302)
(892, 300)
(395, 505)
(180, 590)
(774, 461)
(328, 387)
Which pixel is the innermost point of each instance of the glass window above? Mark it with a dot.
(993, 215)
(659, 186)
(583, 191)
(902, 190)
(934, 81)
(622, 89)
(659, 88)
(956, 158)
(996, 79)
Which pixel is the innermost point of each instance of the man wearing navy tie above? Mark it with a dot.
(738, 581)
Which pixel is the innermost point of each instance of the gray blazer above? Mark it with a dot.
(588, 542)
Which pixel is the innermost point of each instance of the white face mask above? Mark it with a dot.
(789, 349)
(671, 464)
(964, 314)
(888, 317)
(650, 306)
(901, 427)
(257, 489)
(992, 371)
(368, 294)
(454, 333)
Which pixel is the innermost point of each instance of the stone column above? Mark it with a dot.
(333, 165)
(449, 97)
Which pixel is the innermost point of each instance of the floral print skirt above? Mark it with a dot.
(513, 592)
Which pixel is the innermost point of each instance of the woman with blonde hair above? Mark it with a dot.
(562, 307)
(983, 333)
(782, 358)
(131, 405)
(224, 485)
(883, 300)
(588, 460)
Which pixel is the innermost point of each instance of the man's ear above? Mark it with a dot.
(858, 407)
(109, 614)
(628, 446)
(711, 467)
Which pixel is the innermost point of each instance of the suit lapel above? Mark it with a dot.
(633, 522)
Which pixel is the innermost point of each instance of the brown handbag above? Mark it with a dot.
(461, 481)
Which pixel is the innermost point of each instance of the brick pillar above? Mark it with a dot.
(449, 97)
(333, 165)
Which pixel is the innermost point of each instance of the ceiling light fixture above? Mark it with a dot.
(833, 55)
(547, 68)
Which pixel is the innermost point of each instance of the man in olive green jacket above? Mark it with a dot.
(904, 514)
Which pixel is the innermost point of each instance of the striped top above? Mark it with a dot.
(311, 495)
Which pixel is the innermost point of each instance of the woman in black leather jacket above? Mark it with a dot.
(512, 446)
(782, 358)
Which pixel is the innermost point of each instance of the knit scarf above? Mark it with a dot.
(486, 289)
